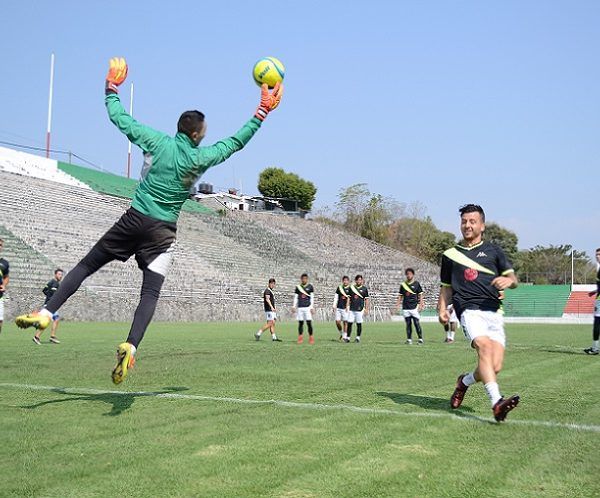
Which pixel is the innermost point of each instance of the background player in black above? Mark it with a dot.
(411, 297)
(359, 306)
(48, 291)
(340, 306)
(304, 301)
(473, 274)
(595, 349)
(4, 279)
(271, 314)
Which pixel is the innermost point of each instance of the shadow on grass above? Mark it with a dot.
(427, 402)
(564, 351)
(119, 401)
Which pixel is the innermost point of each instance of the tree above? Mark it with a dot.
(275, 182)
(552, 265)
(504, 238)
(421, 238)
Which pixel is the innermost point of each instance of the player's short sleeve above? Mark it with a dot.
(401, 291)
(419, 289)
(366, 294)
(446, 271)
(502, 262)
(310, 289)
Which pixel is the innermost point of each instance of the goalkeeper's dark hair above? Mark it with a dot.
(472, 208)
(190, 122)
(272, 281)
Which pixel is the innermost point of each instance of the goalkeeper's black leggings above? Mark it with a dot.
(301, 327)
(358, 329)
(91, 263)
(596, 328)
(418, 328)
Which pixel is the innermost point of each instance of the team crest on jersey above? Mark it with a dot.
(471, 274)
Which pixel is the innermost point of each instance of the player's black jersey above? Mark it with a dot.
(343, 294)
(268, 292)
(50, 289)
(304, 292)
(470, 271)
(4, 270)
(410, 294)
(357, 297)
(598, 284)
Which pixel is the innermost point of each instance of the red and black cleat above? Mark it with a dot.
(503, 406)
(459, 393)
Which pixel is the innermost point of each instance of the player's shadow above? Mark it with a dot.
(119, 401)
(427, 402)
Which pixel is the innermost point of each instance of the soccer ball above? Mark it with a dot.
(268, 70)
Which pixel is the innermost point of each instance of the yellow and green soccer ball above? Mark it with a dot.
(268, 70)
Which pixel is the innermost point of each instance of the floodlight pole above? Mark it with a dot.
(129, 145)
(49, 127)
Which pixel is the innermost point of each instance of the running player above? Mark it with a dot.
(49, 291)
(359, 306)
(148, 228)
(271, 314)
(4, 279)
(450, 327)
(412, 299)
(472, 275)
(304, 302)
(340, 306)
(595, 349)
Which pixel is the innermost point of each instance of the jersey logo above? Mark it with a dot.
(481, 254)
(471, 274)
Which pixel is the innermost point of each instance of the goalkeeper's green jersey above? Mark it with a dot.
(171, 164)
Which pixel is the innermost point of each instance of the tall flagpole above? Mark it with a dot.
(49, 127)
(129, 146)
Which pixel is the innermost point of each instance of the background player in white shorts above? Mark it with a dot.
(304, 301)
(270, 313)
(341, 302)
(595, 349)
(359, 306)
(412, 299)
(450, 327)
(473, 274)
(4, 279)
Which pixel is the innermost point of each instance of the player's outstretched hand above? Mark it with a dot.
(443, 316)
(117, 72)
(268, 100)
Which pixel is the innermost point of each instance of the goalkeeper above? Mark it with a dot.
(148, 228)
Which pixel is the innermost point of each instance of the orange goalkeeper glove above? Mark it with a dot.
(117, 72)
(268, 100)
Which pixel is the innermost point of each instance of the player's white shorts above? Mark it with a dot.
(453, 318)
(341, 315)
(477, 323)
(355, 316)
(596, 307)
(1, 309)
(271, 316)
(414, 313)
(303, 315)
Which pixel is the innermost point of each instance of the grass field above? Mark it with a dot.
(347, 420)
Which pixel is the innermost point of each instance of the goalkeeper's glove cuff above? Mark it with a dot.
(261, 113)
(111, 87)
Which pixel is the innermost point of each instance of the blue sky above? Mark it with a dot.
(438, 102)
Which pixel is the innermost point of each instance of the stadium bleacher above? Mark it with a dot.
(536, 300)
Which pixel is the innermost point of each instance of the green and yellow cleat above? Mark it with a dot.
(37, 320)
(125, 361)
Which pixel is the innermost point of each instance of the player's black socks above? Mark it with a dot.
(309, 325)
(358, 329)
(596, 328)
(408, 328)
(151, 286)
(418, 327)
(91, 263)
(300, 328)
(446, 327)
(349, 329)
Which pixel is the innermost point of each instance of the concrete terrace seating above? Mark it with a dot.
(221, 263)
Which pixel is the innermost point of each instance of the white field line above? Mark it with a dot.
(307, 406)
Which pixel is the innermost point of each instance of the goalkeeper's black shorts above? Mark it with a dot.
(151, 240)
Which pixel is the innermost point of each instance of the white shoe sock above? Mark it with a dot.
(259, 333)
(133, 350)
(493, 392)
(44, 311)
(596, 345)
(469, 379)
(451, 336)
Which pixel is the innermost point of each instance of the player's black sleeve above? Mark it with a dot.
(46, 289)
(504, 265)
(419, 289)
(446, 271)
(366, 292)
